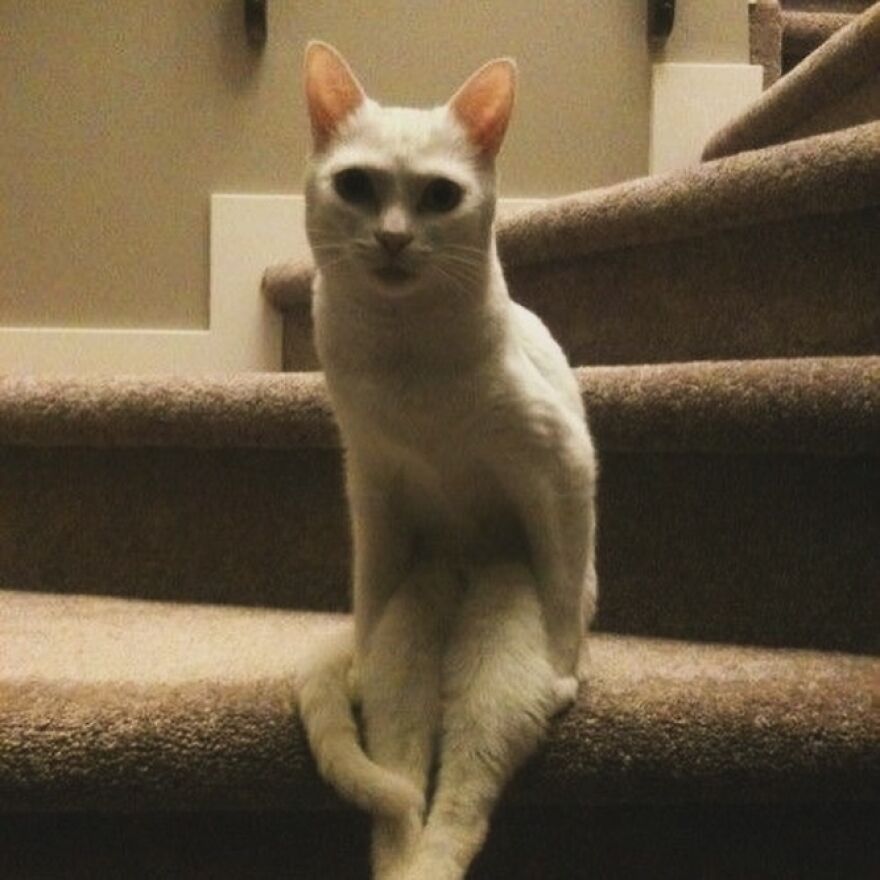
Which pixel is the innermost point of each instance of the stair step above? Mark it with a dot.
(729, 491)
(834, 93)
(614, 842)
(766, 254)
(110, 704)
(852, 7)
(804, 32)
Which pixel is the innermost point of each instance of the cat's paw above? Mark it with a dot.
(432, 866)
(353, 683)
(565, 690)
(394, 844)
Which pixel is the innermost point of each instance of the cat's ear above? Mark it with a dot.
(332, 91)
(484, 103)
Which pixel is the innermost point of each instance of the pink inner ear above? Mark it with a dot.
(332, 91)
(484, 103)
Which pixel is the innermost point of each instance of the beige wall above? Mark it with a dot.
(715, 31)
(701, 79)
(120, 118)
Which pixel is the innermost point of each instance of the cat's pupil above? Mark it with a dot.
(440, 196)
(353, 185)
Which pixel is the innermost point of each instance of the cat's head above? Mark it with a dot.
(399, 199)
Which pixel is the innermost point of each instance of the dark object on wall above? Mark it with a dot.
(255, 22)
(661, 17)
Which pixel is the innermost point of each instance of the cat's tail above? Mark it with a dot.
(325, 706)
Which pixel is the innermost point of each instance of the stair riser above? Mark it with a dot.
(765, 549)
(553, 843)
(804, 31)
(207, 525)
(798, 288)
(719, 298)
(762, 549)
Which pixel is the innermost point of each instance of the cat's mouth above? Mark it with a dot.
(393, 275)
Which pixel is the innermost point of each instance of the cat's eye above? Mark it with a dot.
(354, 185)
(440, 196)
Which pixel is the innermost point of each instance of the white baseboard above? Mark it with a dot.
(248, 234)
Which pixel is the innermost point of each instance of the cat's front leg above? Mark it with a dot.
(353, 680)
(562, 541)
(382, 548)
(556, 507)
(401, 675)
(499, 691)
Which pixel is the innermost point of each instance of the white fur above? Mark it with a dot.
(471, 480)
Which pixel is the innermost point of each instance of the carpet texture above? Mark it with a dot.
(824, 405)
(169, 545)
(766, 254)
(807, 24)
(765, 38)
(838, 85)
(216, 499)
(121, 705)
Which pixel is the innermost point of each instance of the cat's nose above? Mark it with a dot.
(393, 241)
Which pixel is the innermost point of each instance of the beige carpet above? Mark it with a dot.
(121, 704)
(771, 253)
(836, 86)
(168, 545)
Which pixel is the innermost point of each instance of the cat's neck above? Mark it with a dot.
(448, 327)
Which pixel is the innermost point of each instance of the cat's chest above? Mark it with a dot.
(456, 505)
(438, 447)
(436, 421)
(435, 446)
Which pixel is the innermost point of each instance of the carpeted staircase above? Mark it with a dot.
(168, 546)
(807, 24)
(782, 33)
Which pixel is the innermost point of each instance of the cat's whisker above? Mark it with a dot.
(463, 262)
(474, 256)
(329, 265)
(465, 274)
(466, 248)
(325, 235)
(459, 284)
(477, 267)
(477, 259)
(324, 232)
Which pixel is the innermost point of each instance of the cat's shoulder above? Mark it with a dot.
(543, 357)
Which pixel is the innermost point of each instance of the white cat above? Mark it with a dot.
(470, 473)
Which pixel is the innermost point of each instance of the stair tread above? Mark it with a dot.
(826, 405)
(839, 6)
(843, 64)
(122, 704)
(804, 31)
